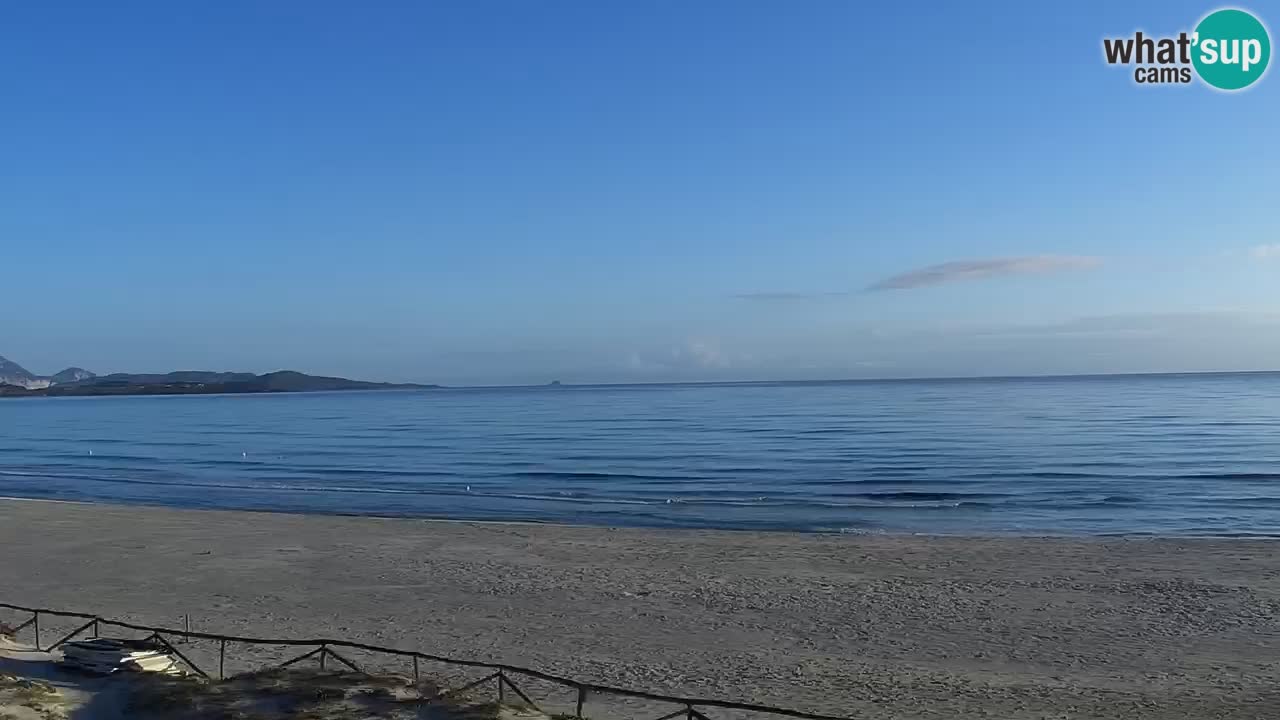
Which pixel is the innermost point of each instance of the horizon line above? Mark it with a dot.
(923, 378)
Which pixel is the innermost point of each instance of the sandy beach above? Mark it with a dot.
(858, 626)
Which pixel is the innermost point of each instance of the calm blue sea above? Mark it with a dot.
(1173, 455)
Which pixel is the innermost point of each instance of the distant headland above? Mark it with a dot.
(17, 381)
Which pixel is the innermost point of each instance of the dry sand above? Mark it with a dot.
(872, 626)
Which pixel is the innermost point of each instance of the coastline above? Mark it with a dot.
(856, 625)
(846, 532)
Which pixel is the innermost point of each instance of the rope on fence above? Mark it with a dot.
(323, 648)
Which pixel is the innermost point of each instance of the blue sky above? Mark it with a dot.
(505, 192)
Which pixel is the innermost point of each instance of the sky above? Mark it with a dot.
(602, 191)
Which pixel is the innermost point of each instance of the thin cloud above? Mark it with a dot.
(978, 269)
(1265, 252)
(692, 355)
(1132, 325)
(789, 296)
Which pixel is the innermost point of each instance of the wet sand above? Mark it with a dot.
(857, 626)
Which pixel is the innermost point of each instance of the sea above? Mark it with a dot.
(1169, 455)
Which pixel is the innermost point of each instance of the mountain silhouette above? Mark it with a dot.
(16, 380)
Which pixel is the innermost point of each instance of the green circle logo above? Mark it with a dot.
(1232, 49)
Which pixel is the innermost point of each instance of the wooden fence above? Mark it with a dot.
(323, 650)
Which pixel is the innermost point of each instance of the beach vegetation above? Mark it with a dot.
(300, 694)
(29, 696)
